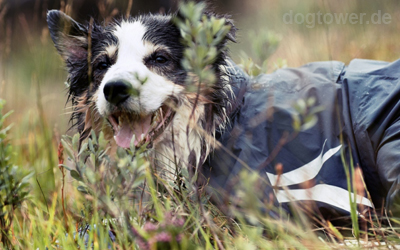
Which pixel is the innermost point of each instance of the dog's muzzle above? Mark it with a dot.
(129, 125)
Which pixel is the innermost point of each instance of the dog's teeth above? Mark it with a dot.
(142, 137)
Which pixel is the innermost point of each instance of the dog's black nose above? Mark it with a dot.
(117, 92)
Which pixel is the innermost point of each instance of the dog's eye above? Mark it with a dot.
(103, 65)
(160, 59)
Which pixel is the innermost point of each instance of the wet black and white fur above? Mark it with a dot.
(126, 77)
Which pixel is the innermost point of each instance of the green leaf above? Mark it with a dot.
(93, 159)
(83, 189)
(301, 106)
(76, 175)
(311, 101)
(65, 166)
(90, 142)
(296, 124)
(317, 109)
(83, 148)
(102, 141)
(309, 122)
(27, 178)
(93, 137)
(75, 142)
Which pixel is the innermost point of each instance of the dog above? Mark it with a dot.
(136, 86)
(126, 77)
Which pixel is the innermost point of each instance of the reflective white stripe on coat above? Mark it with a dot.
(304, 173)
(329, 194)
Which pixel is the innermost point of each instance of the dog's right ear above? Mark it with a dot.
(69, 36)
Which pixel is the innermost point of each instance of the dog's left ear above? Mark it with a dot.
(69, 36)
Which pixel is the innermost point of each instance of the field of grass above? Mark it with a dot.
(64, 209)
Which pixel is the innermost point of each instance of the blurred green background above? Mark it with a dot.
(32, 74)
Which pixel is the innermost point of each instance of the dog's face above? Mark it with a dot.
(135, 71)
(145, 75)
(129, 74)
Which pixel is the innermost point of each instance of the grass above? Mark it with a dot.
(77, 197)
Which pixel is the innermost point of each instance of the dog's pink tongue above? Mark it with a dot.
(129, 128)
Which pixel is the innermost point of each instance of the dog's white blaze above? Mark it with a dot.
(130, 67)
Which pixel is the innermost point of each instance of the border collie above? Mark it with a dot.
(126, 77)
